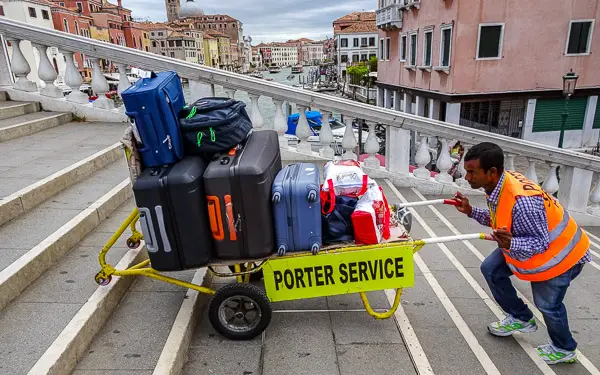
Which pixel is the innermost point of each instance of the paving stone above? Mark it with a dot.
(374, 359)
(361, 328)
(224, 359)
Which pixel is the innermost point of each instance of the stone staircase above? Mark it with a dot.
(64, 190)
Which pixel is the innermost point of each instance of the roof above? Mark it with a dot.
(206, 36)
(217, 34)
(357, 16)
(226, 18)
(360, 27)
(151, 25)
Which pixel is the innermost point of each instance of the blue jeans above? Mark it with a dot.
(547, 295)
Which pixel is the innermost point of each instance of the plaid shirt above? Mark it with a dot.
(529, 225)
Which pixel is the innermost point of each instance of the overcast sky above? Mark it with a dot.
(268, 20)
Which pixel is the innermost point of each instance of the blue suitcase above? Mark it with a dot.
(153, 105)
(297, 208)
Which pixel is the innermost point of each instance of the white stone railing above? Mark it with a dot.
(576, 172)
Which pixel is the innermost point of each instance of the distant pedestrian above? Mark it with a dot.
(537, 241)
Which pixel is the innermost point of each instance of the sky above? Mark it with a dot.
(267, 20)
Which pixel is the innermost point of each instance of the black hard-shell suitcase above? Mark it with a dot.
(238, 190)
(173, 215)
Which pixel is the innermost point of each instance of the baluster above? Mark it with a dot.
(594, 208)
(20, 67)
(73, 80)
(462, 182)
(230, 93)
(349, 142)
(123, 83)
(326, 137)
(551, 183)
(100, 86)
(280, 123)
(509, 162)
(303, 131)
(444, 163)
(47, 73)
(422, 158)
(371, 148)
(256, 118)
(530, 174)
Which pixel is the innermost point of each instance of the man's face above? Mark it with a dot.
(476, 176)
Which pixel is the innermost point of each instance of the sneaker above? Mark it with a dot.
(553, 355)
(510, 325)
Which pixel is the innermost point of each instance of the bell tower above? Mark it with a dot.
(172, 9)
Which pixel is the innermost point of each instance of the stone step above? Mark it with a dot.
(64, 308)
(27, 160)
(39, 238)
(9, 109)
(31, 123)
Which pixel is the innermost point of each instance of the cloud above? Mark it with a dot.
(268, 20)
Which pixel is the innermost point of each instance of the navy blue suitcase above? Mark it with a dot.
(297, 208)
(153, 105)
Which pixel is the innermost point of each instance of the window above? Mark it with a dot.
(162, 43)
(355, 58)
(580, 37)
(403, 48)
(65, 25)
(371, 55)
(387, 48)
(413, 49)
(355, 42)
(363, 57)
(427, 44)
(489, 43)
(153, 43)
(344, 58)
(80, 7)
(371, 42)
(32, 13)
(344, 42)
(381, 56)
(445, 46)
(1, 10)
(172, 54)
(363, 42)
(45, 15)
(76, 28)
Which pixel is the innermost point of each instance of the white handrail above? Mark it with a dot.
(150, 61)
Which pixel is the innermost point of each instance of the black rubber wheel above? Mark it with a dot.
(256, 276)
(239, 311)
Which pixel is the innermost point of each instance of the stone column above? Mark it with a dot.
(397, 149)
(434, 109)
(587, 139)
(574, 188)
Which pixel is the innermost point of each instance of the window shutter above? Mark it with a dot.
(548, 114)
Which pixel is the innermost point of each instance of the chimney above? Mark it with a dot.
(120, 3)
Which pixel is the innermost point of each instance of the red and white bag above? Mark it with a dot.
(347, 178)
(371, 218)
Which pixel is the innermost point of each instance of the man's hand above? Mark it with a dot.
(465, 206)
(502, 237)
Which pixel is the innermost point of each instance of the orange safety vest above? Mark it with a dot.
(568, 243)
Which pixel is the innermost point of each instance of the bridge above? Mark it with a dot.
(65, 189)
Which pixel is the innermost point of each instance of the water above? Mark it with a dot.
(267, 108)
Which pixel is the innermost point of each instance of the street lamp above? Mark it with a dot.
(569, 83)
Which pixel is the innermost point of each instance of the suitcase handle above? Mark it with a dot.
(148, 229)
(230, 218)
(162, 228)
(214, 217)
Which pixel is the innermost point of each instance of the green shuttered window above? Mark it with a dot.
(548, 114)
(597, 117)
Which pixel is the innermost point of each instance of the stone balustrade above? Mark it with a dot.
(577, 171)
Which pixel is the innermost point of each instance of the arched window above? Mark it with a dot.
(76, 28)
(65, 25)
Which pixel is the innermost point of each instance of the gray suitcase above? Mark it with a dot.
(238, 188)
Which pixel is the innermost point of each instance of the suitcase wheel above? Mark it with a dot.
(312, 196)
(239, 311)
(276, 197)
(102, 281)
(315, 248)
(132, 243)
(281, 251)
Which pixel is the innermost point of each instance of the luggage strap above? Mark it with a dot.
(199, 136)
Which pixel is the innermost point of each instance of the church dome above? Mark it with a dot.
(190, 9)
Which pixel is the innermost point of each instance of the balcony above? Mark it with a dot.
(577, 170)
(389, 17)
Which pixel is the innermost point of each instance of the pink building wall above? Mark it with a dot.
(533, 47)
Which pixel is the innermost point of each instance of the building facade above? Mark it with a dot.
(211, 51)
(505, 72)
(70, 20)
(279, 54)
(312, 53)
(355, 38)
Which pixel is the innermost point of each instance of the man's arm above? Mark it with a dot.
(481, 215)
(529, 228)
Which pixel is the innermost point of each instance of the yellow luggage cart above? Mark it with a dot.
(241, 311)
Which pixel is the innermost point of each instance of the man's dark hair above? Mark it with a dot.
(490, 155)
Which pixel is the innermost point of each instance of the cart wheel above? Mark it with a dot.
(133, 244)
(281, 250)
(102, 281)
(239, 311)
(315, 248)
(256, 276)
